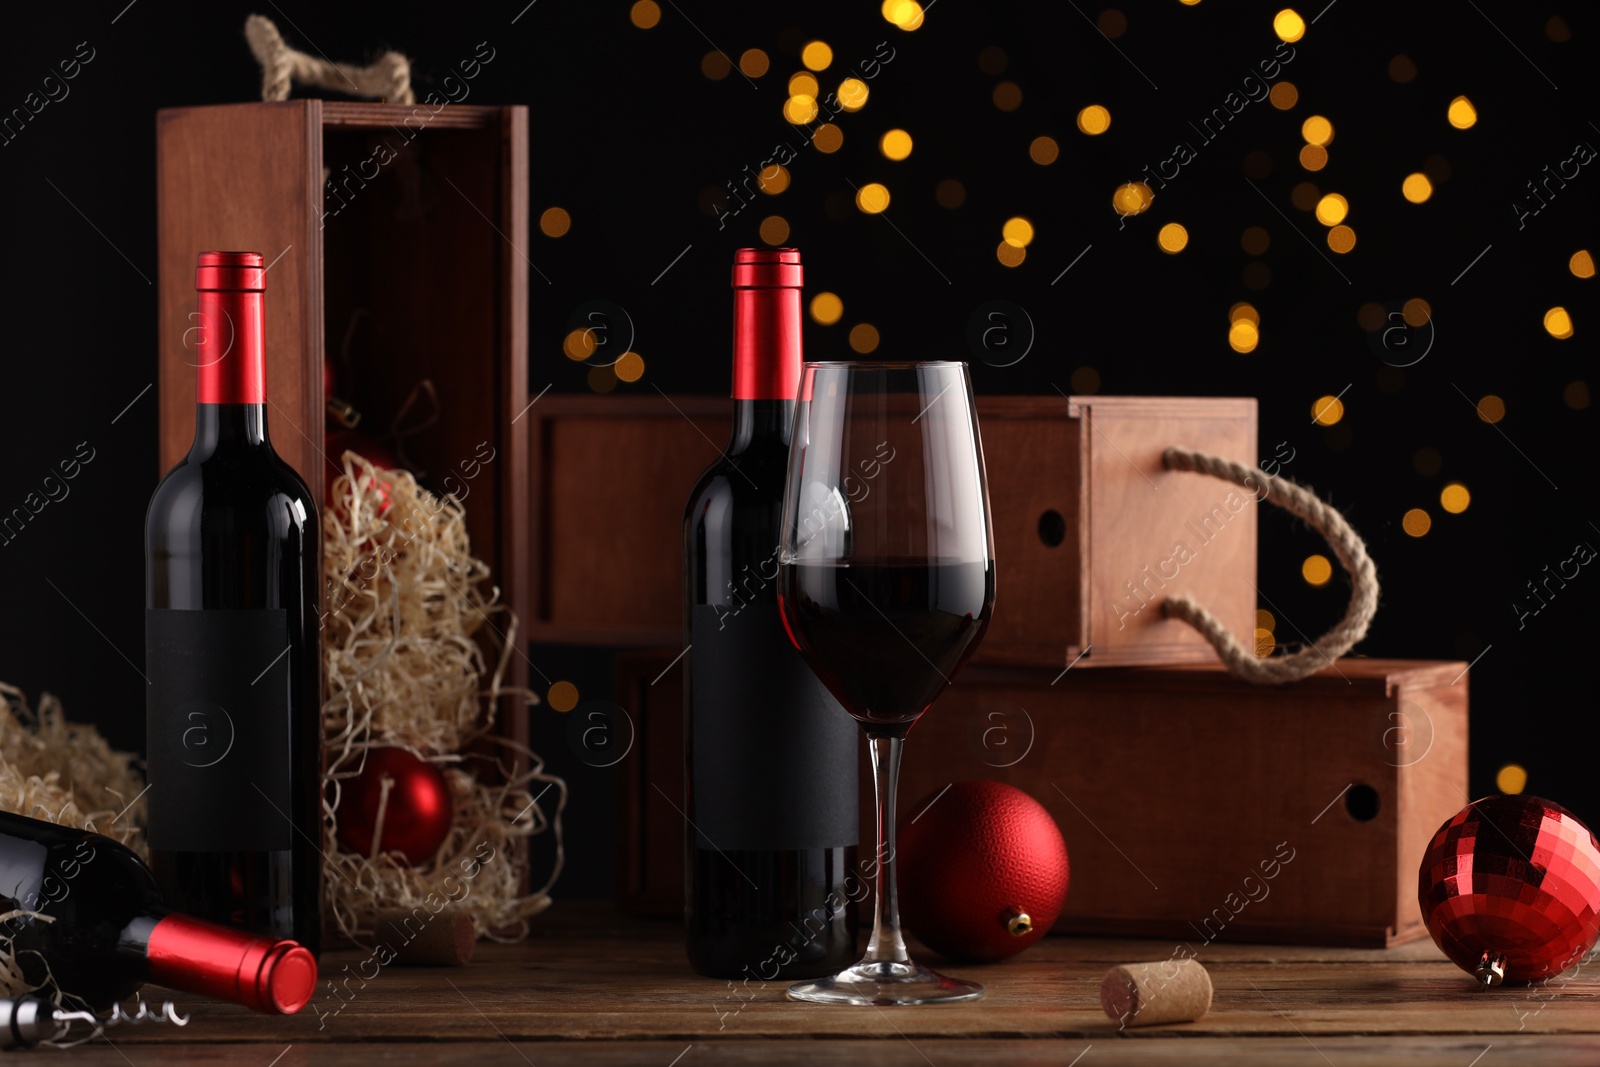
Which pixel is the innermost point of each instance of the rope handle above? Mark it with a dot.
(1302, 503)
(389, 78)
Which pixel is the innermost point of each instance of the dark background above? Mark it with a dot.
(631, 139)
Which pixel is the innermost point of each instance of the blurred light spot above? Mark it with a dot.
(1265, 621)
(1256, 276)
(1327, 410)
(1288, 25)
(1416, 522)
(1257, 165)
(1511, 779)
(1008, 96)
(800, 109)
(1093, 120)
(906, 14)
(1043, 150)
(1491, 409)
(1332, 209)
(1132, 198)
(1172, 238)
(754, 63)
(1284, 96)
(715, 65)
(816, 55)
(1246, 311)
(1265, 643)
(1255, 241)
(1462, 114)
(1112, 23)
(774, 229)
(1317, 130)
(1316, 570)
(828, 138)
(863, 337)
(992, 61)
(1454, 498)
(895, 145)
(1576, 395)
(1305, 196)
(1416, 188)
(1010, 255)
(1427, 462)
(1017, 231)
(803, 84)
(1341, 239)
(1371, 316)
(1557, 323)
(602, 379)
(1402, 69)
(1437, 168)
(1558, 30)
(826, 309)
(563, 696)
(1188, 3)
(1581, 264)
(872, 198)
(950, 193)
(853, 94)
(554, 222)
(1416, 312)
(629, 367)
(1313, 157)
(1085, 380)
(773, 180)
(1243, 336)
(579, 345)
(645, 14)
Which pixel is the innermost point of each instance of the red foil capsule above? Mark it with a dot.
(226, 336)
(766, 323)
(1512, 881)
(277, 977)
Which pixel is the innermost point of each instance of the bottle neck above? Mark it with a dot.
(766, 363)
(199, 957)
(229, 346)
(760, 421)
(223, 426)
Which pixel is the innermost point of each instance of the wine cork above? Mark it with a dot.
(1166, 991)
(443, 940)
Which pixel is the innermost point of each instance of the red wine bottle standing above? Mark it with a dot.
(232, 724)
(85, 914)
(771, 879)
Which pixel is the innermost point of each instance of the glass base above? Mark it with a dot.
(886, 983)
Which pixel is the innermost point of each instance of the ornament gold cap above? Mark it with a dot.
(1491, 969)
(1018, 922)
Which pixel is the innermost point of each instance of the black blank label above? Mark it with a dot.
(217, 729)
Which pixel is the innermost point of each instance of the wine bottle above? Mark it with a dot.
(84, 913)
(770, 756)
(232, 658)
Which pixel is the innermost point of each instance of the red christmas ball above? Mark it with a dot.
(1510, 889)
(337, 443)
(417, 817)
(983, 870)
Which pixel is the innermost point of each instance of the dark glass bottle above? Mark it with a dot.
(232, 654)
(770, 757)
(98, 928)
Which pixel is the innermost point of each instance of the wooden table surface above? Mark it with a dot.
(589, 987)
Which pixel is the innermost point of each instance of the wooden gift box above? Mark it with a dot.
(416, 249)
(1085, 522)
(1195, 806)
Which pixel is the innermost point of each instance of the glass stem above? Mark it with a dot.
(887, 944)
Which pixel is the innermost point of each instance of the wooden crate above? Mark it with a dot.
(1172, 786)
(1085, 522)
(417, 254)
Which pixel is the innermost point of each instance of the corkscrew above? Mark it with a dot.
(30, 1020)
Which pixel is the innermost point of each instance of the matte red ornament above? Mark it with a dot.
(338, 442)
(418, 815)
(1510, 889)
(983, 870)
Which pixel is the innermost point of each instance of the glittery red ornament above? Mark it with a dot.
(982, 870)
(1510, 889)
(417, 817)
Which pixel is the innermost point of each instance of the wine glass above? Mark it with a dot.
(886, 584)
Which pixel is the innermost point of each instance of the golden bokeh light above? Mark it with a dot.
(992, 60)
(775, 229)
(872, 198)
(1246, 311)
(579, 345)
(1341, 239)
(1327, 410)
(863, 337)
(1017, 231)
(1416, 312)
(1491, 409)
(1332, 209)
(1581, 264)
(1008, 96)
(1416, 188)
(645, 14)
(1093, 120)
(1313, 157)
(803, 84)
(1576, 395)
(563, 696)
(1557, 323)
(800, 109)
(1010, 255)
(1316, 570)
(1288, 25)
(1454, 498)
(1085, 380)
(827, 138)
(1371, 316)
(1511, 779)
(1284, 95)
(816, 55)
(1265, 621)
(1402, 70)
(601, 379)
(1172, 238)
(1255, 241)
(754, 62)
(629, 367)
(1462, 114)
(1044, 150)
(1243, 336)
(1305, 195)
(773, 180)
(950, 193)
(1112, 23)
(1132, 198)
(906, 14)
(1416, 522)
(853, 93)
(715, 65)
(1265, 643)
(554, 222)
(1317, 130)
(826, 309)
(895, 145)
